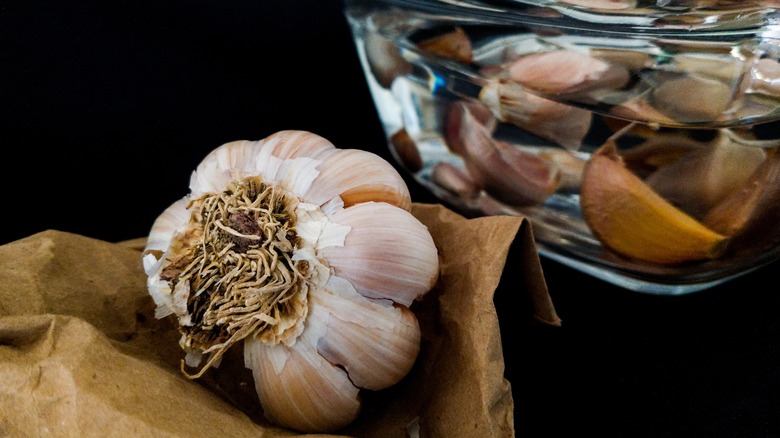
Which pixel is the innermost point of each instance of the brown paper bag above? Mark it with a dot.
(81, 353)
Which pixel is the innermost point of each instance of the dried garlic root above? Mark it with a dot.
(309, 255)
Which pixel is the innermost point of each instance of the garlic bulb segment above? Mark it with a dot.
(164, 227)
(387, 254)
(630, 218)
(374, 340)
(292, 144)
(300, 389)
(358, 176)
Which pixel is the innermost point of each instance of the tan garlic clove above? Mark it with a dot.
(692, 99)
(561, 72)
(751, 214)
(631, 219)
(455, 45)
(384, 59)
(375, 341)
(562, 124)
(387, 254)
(704, 176)
(300, 389)
(405, 150)
(504, 171)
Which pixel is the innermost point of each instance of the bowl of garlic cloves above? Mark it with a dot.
(639, 137)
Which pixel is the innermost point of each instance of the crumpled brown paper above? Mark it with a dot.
(81, 353)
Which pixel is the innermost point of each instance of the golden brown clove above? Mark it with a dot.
(630, 218)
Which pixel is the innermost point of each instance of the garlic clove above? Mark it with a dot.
(375, 341)
(292, 144)
(384, 59)
(475, 114)
(630, 218)
(602, 4)
(570, 166)
(455, 180)
(454, 45)
(403, 146)
(565, 125)
(165, 226)
(358, 176)
(567, 72)
(692, 99)
(703, 177)
(506, 172)
(300, 389)
(750, 214)
(387, 254)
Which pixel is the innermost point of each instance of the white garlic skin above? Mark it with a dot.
(370, 257)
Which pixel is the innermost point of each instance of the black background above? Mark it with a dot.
(107, 106)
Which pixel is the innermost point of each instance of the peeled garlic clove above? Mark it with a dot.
(750, 214)
(631, 219)
(506, 172)
(300, 389)
(567, 72)
(454, 45)
(375, 341)
(388, 253)
(563, 124)
(358, 176)
(703, 177)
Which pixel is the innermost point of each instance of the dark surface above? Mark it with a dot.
(108, 106)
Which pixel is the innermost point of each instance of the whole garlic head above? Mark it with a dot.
(309, 255)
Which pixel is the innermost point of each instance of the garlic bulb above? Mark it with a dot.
(309, 255)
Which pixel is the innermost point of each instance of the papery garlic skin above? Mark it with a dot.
(308, 254)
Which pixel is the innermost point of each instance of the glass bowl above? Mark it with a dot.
(639, 137)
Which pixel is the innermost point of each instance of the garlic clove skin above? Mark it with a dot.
(388, 253)
(358, 176)
(375, 341)
(165, 226)
(454, 45)
(300, 389)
